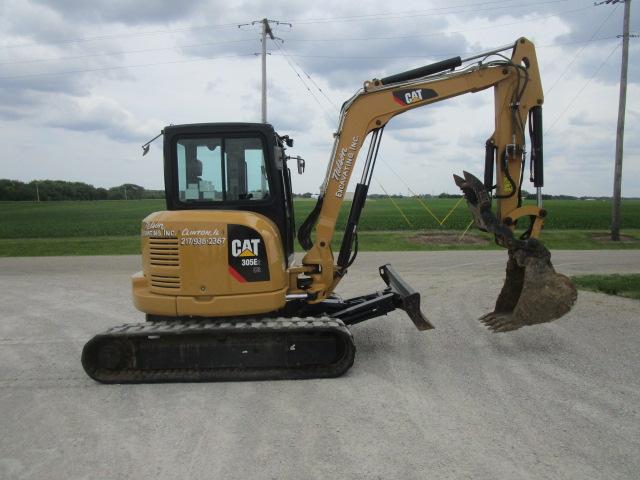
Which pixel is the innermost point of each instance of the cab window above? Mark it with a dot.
(219, 169)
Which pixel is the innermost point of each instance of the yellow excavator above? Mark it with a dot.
(223, 295)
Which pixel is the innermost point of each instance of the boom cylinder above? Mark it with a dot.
(442, 66)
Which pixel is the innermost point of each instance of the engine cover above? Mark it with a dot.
(210, 263)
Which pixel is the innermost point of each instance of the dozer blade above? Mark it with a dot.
(405, 297)
(533, 292)
(198, 351)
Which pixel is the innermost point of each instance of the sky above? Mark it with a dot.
(84, 84)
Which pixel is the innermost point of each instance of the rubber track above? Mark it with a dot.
(274, 326)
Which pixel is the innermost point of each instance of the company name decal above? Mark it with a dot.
(156, 229)
(344, 164)
(412, 96)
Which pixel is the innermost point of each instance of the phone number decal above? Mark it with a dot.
(202, 241)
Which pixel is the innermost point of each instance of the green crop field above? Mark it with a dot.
(382, 214)
(88, 227)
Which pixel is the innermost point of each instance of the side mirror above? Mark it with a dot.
(145, 147)
(300, 162)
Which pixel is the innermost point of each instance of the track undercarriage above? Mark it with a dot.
(301, 341)
(208, 350)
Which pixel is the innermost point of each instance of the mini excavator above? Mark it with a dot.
(223, 296)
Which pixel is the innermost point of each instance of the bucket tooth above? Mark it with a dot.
(478, 199)
(473, 189)
(459, 181)
(472, 180)
(481, 199)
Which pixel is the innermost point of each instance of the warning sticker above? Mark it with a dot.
(506, 186)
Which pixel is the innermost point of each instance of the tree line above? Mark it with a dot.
(52, 190)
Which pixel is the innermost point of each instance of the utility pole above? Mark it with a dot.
(37, 192)
(266, 30)
(622, 102)
(617, 172)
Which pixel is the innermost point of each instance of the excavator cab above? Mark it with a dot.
(230, 166)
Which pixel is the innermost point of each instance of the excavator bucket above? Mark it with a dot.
(533, 292)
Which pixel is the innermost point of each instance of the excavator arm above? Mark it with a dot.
(518, 97)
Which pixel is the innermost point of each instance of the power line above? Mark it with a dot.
(493, 26)
(377, 16)
(433, 34)
(575, 57)
(425, 13)
(118, 35)
(407, 12)
(291, 55)
(382, 57)
(121, 67)
(289, 62)
(126, 52)
(576, 42)
(237, 41)
(581, 90)
(286, 53)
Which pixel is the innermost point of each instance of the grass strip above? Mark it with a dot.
(39, 247)
(622, 285)
(424, 240)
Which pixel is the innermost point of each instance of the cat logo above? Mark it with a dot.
(409, 97)
(245, 248)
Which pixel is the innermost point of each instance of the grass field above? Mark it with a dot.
(112, 227)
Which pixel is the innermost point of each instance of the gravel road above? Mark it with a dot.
(553, 401)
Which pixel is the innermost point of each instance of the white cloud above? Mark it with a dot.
(88, 125)
(98, 114)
